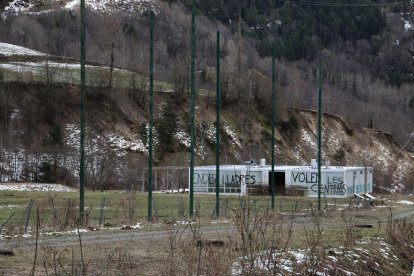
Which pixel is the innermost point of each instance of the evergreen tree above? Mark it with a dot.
(167, 124)
(46, 173)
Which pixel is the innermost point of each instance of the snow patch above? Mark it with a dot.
(122, 144)
(408, 25)
(74, 231)
(290, 262)
(117, 142)
(405, 202)
(131, 7)
(229, 131)
(308, 139)
(399, 174)
(136, 226)
(7, 49)
(183, 138)
(172, 191)
(18, 6)
(109, 6)
(33, 187)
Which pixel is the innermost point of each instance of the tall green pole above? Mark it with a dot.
(192, 110)
(319, 137)
(218, 126)
(273, 127)
(151, 115)
(82, 114)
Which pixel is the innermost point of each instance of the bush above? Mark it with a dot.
(143, 133)
(339, 154)
(265, 135)
(291, 125)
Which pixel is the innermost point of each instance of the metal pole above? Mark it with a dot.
(192, 110)
(218, 126)
(151, 119)
(319, 138)
(273, 127)
(82, 114)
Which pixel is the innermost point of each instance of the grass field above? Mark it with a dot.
(122, 207)
(302, 237)
(126, 207)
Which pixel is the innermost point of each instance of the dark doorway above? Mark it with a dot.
(279, 183)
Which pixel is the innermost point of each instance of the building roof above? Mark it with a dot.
(279, 168)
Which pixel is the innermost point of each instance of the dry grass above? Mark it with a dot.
(261, 242)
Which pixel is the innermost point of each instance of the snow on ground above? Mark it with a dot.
(308, 139)
(72, 135)
(35, 187)
(333, 137)
(295, 152)
(18, 6)
(106, 6)
(16, 114)
(407, 25)
(230, 132)
(382, 156)
(7, 49)
(136, 226)
(406, 202)
(219, 221)
(183, 138)
(39, 67)
(29, 233)
(74, 231)
(172, 191)
(292, 262)
(10, 206)
(139, 6)
(117, 142)
(210, 132)
(120, 143)
(398, 177)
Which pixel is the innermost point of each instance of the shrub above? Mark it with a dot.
(291, 125)
(339, 154)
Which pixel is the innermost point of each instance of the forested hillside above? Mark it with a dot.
(301, 29)
(364, 49)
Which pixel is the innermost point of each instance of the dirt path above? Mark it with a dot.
(105, 237)
(406, 214)
(114, 236)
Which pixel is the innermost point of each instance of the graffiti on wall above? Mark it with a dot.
(226, 178)
(331, 183)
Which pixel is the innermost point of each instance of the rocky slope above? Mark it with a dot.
(116, 138)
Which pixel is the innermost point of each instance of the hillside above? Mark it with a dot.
(40, 137)
(39, 89)
(363, 69)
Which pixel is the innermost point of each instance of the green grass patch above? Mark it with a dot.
(122, 206)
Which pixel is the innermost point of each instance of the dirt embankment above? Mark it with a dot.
(117, 119)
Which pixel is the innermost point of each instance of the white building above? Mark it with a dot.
(303, 180)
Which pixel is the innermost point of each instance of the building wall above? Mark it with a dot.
(335, 183)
